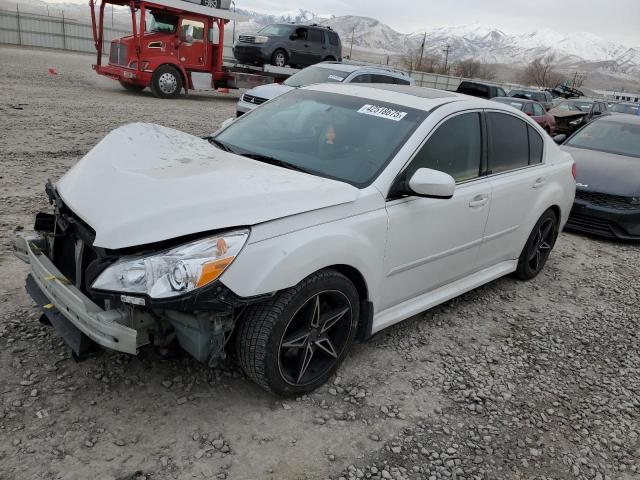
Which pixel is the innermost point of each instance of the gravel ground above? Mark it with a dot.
(537, 380)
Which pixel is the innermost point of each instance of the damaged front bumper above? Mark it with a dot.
(47, 284)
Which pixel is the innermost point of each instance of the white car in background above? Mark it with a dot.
(326, 215)
(325, 72)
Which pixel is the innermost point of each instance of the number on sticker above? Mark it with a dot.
(382, 112)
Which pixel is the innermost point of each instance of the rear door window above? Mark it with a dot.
(452, 153)
(538, 111)
(528, 109)
(508, 146)
(316, 36)
(378, 78)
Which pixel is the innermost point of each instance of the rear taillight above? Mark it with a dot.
(574, 171)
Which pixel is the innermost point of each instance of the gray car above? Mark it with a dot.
(283, 44)
(325, 72)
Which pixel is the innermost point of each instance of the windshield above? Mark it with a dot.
(611, 137)
(626, 108)
(346, 138)
(276, 30)
(513, 103)
(158, 22)
(576, 106)
(313, 75)
(537, 96)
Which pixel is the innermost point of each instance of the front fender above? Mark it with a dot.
(283, 261)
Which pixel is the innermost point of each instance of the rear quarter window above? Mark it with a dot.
(334, 39)
(536, 146)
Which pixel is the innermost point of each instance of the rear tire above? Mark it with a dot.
(329, 59)
(166, 82)
(130, 87)
(536, 251)
(279, 58)
(293, 343)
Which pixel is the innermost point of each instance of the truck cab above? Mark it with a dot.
(174, 46)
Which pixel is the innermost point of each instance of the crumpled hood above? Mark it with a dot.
(606, 172)
(560, 113)
(145, 183)
(270, 90)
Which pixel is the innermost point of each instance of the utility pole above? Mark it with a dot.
(351, 49)
(424, 39)
(446, 58)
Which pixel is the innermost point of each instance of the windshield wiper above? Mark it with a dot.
(220, 145)
(273, 161)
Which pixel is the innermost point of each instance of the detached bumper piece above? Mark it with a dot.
(606, 216)
(64, 301)
(72, 335)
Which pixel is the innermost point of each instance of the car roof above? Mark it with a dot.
(513, 99)
(628, 119)
(351, 67)
(420, 98)
(480, 82)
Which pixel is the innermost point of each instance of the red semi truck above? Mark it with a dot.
(175, 45)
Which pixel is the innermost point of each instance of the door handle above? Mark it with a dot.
(478, 201)
(539, 182)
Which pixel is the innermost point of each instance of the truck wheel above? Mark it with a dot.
(166, 82)
(211, 3)
(132, 87)
(329, 59)
(279, 58)
(293, 343)
(538, 247)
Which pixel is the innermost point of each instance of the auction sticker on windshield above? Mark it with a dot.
(383, 112)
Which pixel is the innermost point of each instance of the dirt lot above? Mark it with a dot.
(536, 380)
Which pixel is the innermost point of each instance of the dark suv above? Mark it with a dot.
(481, 89)
(284, 44)
(540, 96)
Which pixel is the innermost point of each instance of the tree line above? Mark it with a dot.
(540, 72)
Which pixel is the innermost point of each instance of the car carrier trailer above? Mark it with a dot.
(175, 45)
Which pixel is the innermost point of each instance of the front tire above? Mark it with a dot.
(293, 343)
(279, 58)
(538, 247)
(166, 82)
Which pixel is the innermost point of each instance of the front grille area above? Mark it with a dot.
(605, 200)
(118, 53)
(253, 99)
(590, 224)
(247, 39)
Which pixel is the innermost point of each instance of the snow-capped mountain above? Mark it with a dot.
(489, 44)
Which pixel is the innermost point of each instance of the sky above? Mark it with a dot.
(614, 20)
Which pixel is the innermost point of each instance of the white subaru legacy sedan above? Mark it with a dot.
(322, 217)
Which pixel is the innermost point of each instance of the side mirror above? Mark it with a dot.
(426, 182)
(559, 138)
(188, 34)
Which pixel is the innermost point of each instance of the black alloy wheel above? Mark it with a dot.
(292, 343)
(538, 247)
(314, 338)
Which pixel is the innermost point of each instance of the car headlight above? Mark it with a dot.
(260, 39)
(175, 271)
